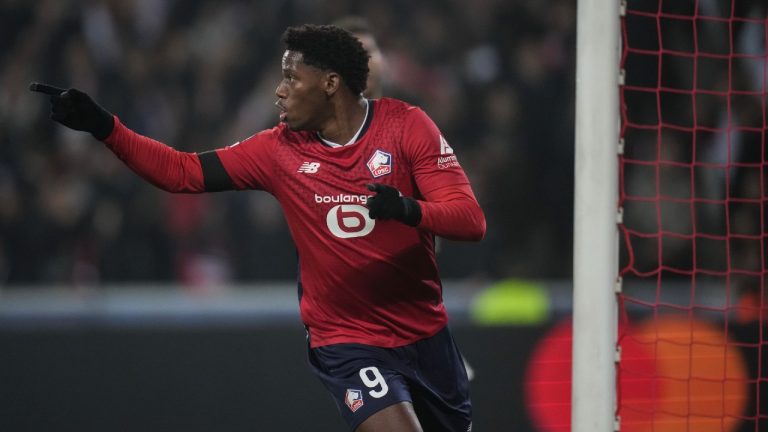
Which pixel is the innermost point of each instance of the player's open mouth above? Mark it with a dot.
(283, 113)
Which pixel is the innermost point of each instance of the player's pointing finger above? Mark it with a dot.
(45, 88)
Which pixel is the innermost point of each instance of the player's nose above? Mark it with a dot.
(280, 91)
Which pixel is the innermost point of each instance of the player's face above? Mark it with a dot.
(301, 96)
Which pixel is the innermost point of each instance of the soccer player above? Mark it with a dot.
(365, 186)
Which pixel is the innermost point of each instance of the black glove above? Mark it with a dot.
(76, 110)
(388, 204)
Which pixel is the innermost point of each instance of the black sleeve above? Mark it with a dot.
(215, 176)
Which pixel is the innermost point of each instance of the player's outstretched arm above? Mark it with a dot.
(161, 165)
(76, 110)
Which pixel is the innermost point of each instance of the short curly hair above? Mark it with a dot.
(329, 47)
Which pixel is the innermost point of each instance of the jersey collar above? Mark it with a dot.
(360, 132)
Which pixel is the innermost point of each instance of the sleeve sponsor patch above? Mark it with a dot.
(450, 161)
(446, 159)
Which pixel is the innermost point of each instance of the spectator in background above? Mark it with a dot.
(360, 28)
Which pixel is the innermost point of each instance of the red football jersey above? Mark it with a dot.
(366, 281)
(363, 281)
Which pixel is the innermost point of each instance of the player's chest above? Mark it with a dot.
(344, 169)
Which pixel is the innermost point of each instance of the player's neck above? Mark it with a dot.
(346, 122)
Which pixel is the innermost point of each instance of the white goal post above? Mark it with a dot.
(595, 253)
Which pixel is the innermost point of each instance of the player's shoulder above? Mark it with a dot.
(278, 135)
(269, 134)
(401, 110)
(282, 134)
(295, 138)
(395, 107)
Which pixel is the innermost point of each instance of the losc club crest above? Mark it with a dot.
(354, 399)
(380, 163)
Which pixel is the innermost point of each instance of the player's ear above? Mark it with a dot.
(332, 83)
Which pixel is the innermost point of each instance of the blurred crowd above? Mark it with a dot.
(497, 76)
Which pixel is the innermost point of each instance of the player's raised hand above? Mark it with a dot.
(389, 204)
(76, 110)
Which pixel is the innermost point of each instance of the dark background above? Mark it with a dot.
(224, 379)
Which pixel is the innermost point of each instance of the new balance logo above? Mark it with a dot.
(309, 167)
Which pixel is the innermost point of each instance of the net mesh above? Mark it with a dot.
(693, 194)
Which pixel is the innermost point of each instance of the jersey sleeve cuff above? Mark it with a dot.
(110, 139)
